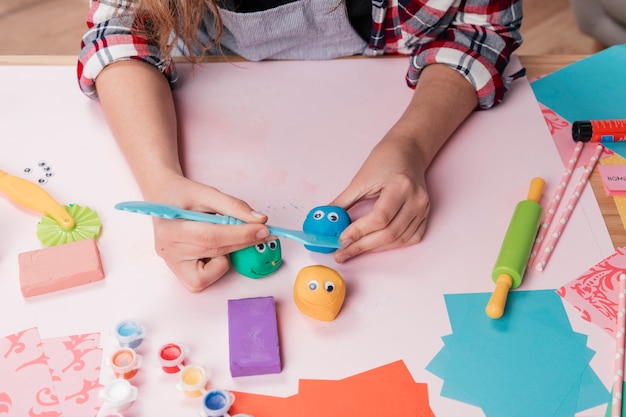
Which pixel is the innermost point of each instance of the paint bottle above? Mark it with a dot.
(192, 381)
(216, 403)
(129, 333)
(125, 363)
(118, 395)
(599, 131)
(172, 357)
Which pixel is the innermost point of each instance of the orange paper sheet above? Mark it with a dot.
(359, 398)
(385, 390)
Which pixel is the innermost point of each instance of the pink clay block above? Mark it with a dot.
(58, 267)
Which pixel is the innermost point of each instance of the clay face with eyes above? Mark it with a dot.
(319, 292)
(326, 221)
(257, 261)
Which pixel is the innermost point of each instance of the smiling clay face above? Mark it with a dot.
(257, 261)
(319, 292)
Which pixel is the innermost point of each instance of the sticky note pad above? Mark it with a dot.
(613, 179)
(253, 337)
(58, 267)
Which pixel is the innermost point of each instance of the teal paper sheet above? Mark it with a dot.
(590, 89)
(609, 409)
(528, 363)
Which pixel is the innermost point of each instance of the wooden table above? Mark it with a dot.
(536, 65)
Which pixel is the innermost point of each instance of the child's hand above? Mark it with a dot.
(393, 173)
(196, 252)
(394, 176)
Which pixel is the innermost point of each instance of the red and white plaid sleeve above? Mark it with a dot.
(476, 38)
(109, 39)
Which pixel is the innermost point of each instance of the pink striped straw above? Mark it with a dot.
(618, 375)
(567, 212)
(556, 200)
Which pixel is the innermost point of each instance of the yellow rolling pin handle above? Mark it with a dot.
(510, 266)
(32, 196)
(495, 307)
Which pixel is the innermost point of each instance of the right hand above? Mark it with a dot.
(197, 252)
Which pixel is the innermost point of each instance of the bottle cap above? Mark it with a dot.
(582, 131)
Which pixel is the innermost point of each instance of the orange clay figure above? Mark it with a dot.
(319, 292)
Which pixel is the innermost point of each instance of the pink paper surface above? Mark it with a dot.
(595, 292)
(284, 136)
(26, 386)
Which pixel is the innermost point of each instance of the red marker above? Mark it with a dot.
(599, 131)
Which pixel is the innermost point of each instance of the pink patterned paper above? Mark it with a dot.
(595, 293)
(55, 377)
(74, 363)
(26, 387)
(561, 131)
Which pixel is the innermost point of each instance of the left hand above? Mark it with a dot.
(394, 172)
(394, 175)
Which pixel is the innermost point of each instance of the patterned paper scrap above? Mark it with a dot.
(54, 377)
(26, 387)
(74, 363)
(595, 292)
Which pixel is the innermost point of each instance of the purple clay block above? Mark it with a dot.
(253, 337)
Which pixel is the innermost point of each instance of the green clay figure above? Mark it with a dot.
(257, 261)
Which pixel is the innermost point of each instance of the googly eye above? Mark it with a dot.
(42, 180)
(28, 170)
(261, 247)
(49, 174)
(47, 168)
(319, 214)
(272, 244)
(329, 286)
(313, 285)
(42, 163)
(333, 217)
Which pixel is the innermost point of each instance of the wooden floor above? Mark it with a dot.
(55, 27)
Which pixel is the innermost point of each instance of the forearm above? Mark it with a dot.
(138, 105)
(442, 100)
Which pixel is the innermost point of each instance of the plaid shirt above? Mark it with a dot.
(474, 37)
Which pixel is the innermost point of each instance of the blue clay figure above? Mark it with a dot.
(257, 261)
(326, 221)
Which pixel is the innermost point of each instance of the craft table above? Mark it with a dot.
(278, 134)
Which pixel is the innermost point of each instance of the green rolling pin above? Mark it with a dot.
(511, 263)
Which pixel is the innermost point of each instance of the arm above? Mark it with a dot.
(459, 67)
(138, 104)
(394, 172)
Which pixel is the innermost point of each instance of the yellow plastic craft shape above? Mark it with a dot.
(33, 197)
